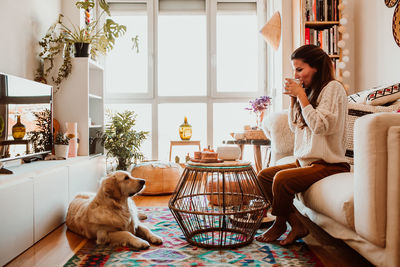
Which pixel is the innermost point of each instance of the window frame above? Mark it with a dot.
(212, 96)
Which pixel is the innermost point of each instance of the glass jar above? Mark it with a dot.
(185, 130)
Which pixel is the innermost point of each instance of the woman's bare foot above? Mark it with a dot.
(298, 229)
(274, 232)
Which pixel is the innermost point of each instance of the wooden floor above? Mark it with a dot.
(58, 246)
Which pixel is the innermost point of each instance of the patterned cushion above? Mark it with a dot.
(383, 95)
(377, 96)
(360, 97)
(355, 111)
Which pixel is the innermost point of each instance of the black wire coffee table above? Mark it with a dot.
(218, 205)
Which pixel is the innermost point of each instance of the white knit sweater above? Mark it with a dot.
(324, 136)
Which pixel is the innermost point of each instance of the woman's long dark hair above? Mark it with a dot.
(318, 59)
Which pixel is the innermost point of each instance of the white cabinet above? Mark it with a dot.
(85, 176)
(34, 200)
(81, 99)
(50, 200)
(16, 218)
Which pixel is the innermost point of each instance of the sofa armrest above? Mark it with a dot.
(371, 158)
(393, 199)
(277, 129)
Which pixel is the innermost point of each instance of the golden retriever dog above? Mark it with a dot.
(111, 216)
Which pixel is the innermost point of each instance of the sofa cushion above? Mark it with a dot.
(354, 112)
(333, 197)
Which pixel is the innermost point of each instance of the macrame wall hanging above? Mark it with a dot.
(396, 19)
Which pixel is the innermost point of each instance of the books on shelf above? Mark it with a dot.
(321, 26)
(325, 38)
(321, 10)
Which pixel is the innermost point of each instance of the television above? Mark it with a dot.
(25, 105)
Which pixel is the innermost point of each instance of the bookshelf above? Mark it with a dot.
(318, 22)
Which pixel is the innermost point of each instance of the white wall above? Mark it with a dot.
(23, 24)
(376, 55)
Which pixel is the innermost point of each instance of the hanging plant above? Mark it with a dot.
(60, 39)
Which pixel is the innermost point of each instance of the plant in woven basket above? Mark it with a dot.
(121, 140)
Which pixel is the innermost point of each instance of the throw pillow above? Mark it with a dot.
(383, 95)
(376, 96)
(360, 97)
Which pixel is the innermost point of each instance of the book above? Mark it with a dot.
(307, 36)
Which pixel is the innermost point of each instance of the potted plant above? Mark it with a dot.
(41, 136)
(61, 146)
(258, 106)
(63, 38)
(122, 141)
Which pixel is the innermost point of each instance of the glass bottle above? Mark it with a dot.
(185, 130)
(18, 130)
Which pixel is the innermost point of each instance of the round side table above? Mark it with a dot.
(218, 205)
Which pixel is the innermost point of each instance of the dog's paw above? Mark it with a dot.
(142, 216)
(155, 239)
(102, 238)
(140, 244)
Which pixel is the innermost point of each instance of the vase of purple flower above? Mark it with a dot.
(258, 106)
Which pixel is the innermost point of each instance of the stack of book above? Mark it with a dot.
(327, 38)
(322, 10)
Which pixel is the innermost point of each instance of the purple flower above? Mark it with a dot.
(259, 104)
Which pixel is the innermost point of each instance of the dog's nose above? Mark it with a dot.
(142, 182)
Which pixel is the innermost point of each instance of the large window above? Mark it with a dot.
(200, 59)
(182, 55)
(126, 68)
(237, 53)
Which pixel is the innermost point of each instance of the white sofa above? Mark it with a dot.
(361, 207)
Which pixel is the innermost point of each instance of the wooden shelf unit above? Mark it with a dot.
(318, 31)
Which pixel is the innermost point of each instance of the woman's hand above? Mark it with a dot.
(293, 88)
(296, 91)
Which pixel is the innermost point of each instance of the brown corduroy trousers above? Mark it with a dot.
(281, 183)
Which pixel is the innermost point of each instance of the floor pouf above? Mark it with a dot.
(161, 176)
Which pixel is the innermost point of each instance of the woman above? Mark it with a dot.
(317, 116)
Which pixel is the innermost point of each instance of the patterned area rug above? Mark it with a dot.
(175, 251)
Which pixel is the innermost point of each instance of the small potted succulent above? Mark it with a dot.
(61, 146)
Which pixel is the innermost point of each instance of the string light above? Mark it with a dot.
(342, 44)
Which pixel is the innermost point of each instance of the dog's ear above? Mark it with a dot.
(111, 188)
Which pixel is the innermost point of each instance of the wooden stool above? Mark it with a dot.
(183, 143)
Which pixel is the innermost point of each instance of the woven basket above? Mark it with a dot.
(255, 134)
